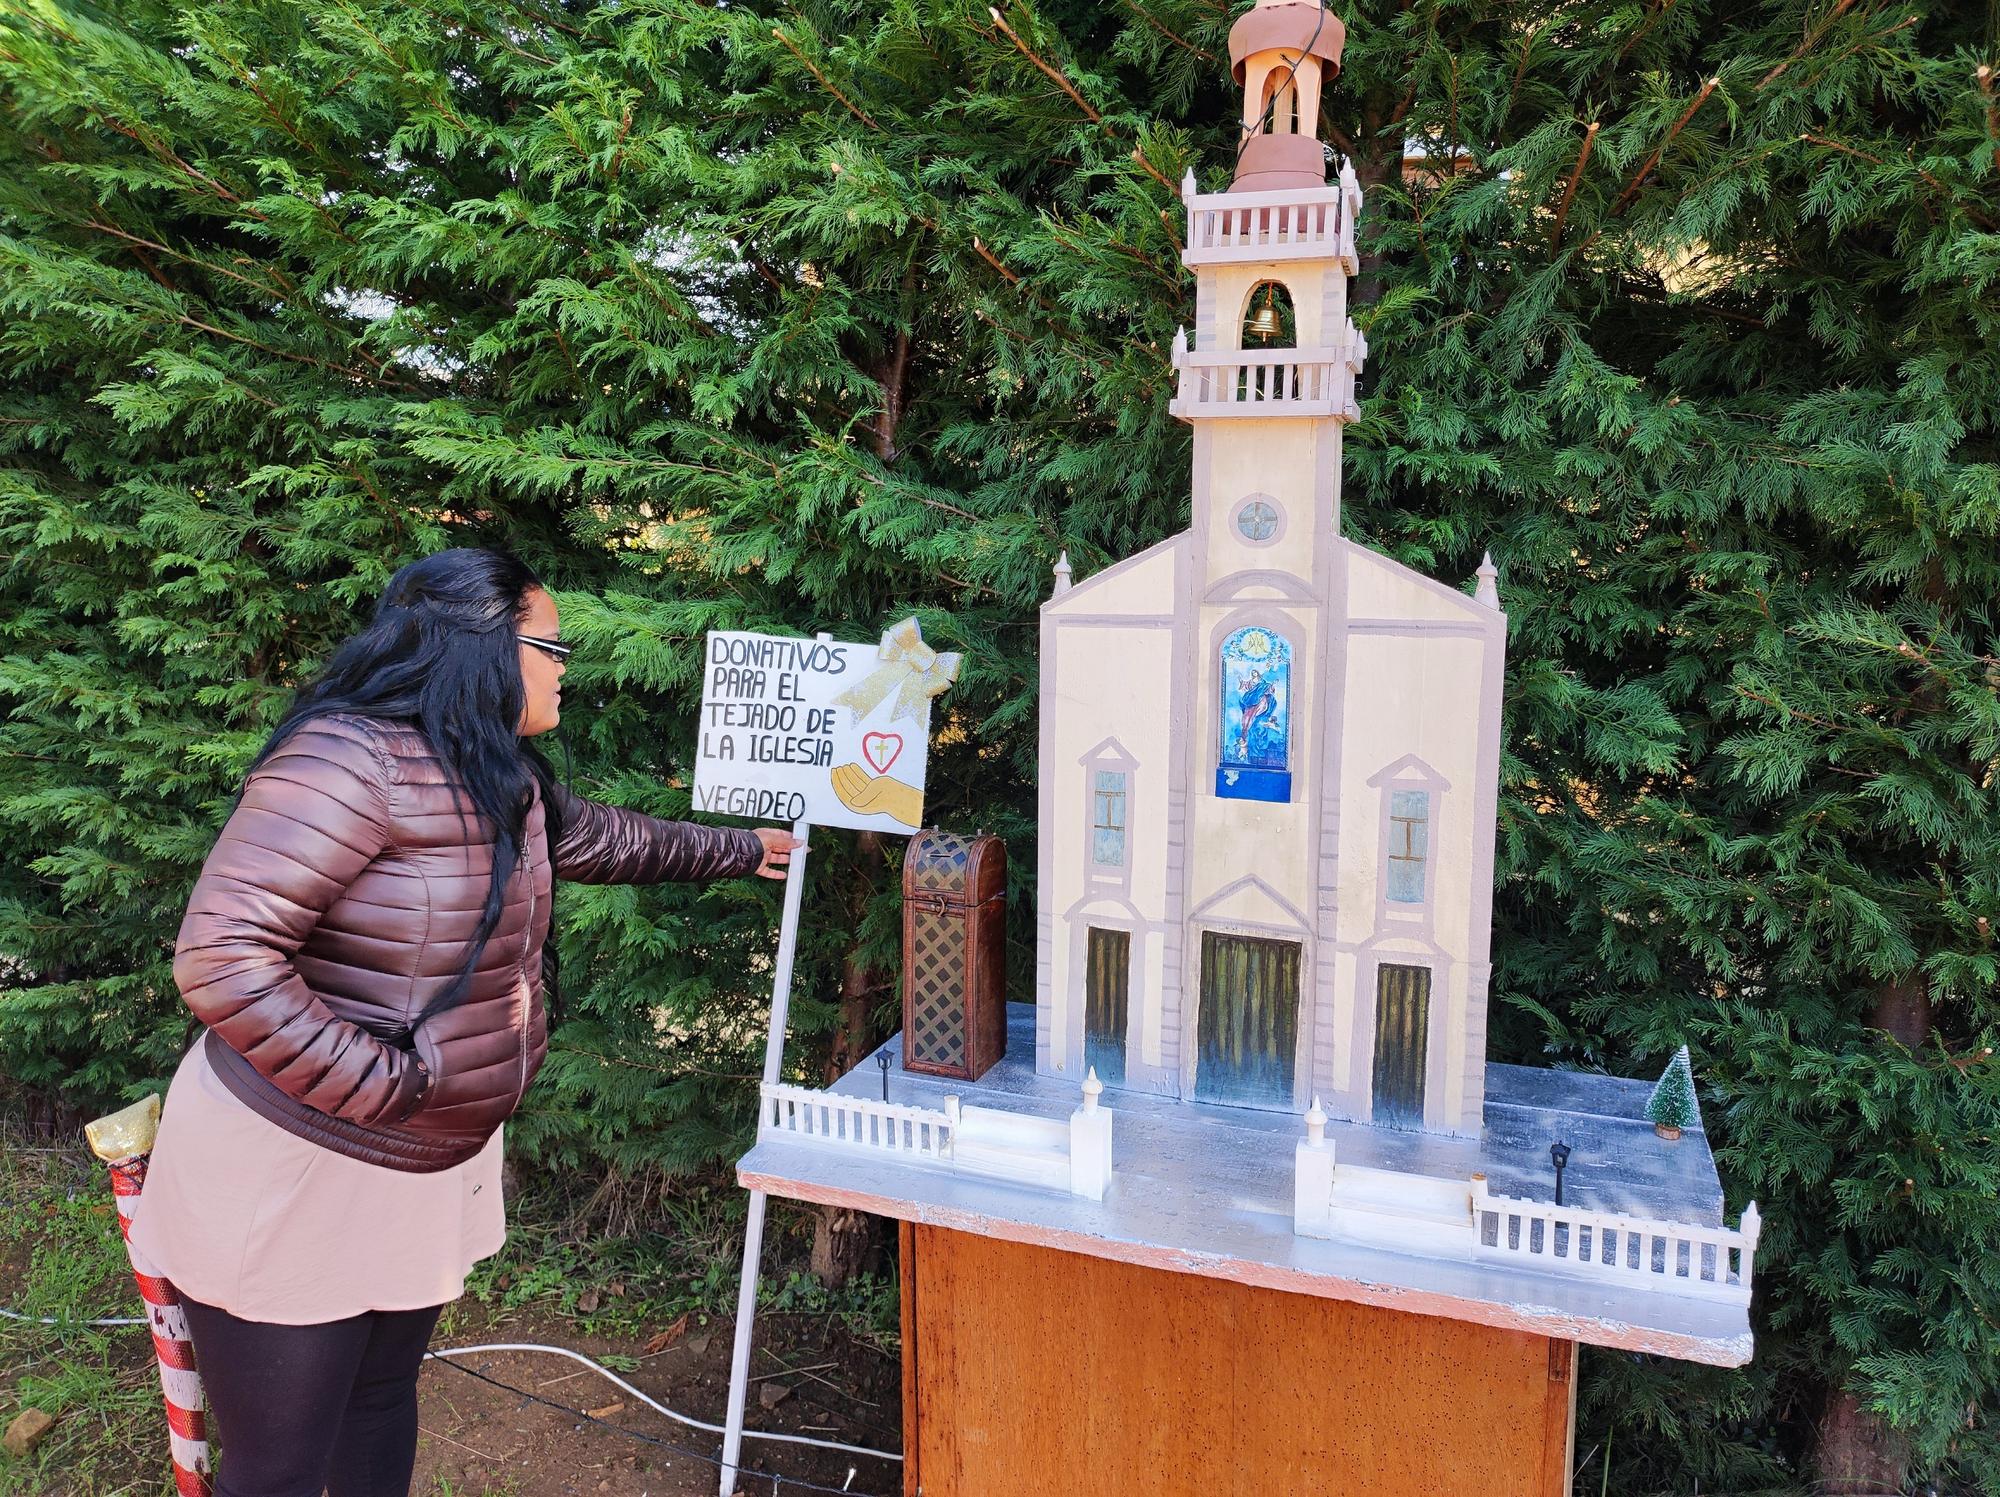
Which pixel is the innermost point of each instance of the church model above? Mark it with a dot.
(1269, 767)
(1269, 756)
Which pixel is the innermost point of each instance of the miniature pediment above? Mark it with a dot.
(1409, 772)
(1109, 754)
(1250, 901)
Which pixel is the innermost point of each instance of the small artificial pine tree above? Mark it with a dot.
(1672, 1106)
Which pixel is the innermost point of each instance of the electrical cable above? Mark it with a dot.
(778, 1483)
(446, 1354)
(691, 1423)
(1250, 133)
(58, 1320)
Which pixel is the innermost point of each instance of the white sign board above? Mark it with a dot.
(818, 730)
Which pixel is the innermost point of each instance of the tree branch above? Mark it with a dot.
(1569, 191)
(1055, 73)
(852, 108)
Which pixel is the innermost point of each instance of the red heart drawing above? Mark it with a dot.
(881, 749)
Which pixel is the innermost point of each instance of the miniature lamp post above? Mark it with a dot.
(1559, 1157)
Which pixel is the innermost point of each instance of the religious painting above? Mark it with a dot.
(1254, 761)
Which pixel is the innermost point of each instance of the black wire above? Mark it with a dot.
(778, 1483)
(1264, 120)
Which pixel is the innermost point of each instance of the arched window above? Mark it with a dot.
(1254, 756)
(1268, 318)
(1281, 102)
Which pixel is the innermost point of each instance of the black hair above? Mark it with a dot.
(440, 654)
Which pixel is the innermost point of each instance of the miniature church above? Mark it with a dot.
(1269, 755)
(1256, 1057)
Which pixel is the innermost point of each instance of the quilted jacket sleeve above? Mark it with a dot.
(311, 818)
(603, 844)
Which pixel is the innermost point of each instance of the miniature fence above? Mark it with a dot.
(1285, 225)
(1679, 1257)
(836, 1118)
(1074, 1156)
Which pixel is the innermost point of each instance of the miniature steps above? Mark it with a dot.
(1416, 1214)
(1010, 1146)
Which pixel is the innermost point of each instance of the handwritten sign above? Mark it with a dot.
(818, 730)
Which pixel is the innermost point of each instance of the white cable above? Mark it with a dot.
(55, 1320)
(713, 1429)
(558, 1351)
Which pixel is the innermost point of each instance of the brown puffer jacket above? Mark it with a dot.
(339, 901)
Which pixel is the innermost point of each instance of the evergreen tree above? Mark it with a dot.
(1672, 1103)
(805, 317)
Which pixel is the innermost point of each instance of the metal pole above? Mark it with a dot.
(753, 1232)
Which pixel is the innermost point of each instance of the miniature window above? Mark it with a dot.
(1269, 320)
(1107, 832)
(1257, 520)
(1254, 761)
(1409, 844)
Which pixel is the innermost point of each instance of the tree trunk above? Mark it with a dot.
(1859, 1455)
(846, 1242)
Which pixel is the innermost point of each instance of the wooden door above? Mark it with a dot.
(1107, 998)
(1032, 1372)
(1402, 1043)
(1248, 1031)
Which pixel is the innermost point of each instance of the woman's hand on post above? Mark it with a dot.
(778, 848)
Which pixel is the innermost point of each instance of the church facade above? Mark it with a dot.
(1270, 755)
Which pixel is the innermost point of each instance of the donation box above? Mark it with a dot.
(954, 954)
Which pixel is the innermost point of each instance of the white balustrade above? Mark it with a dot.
(798, 1112)
(1265, 382)
(1288, 224)
(1074, 1156)
(1677, 1257)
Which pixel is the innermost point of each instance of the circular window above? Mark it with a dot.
(1258, 520)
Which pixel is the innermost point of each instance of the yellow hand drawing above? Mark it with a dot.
(878, 795)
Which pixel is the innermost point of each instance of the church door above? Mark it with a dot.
(1107, 1001)
(1402, 1043)
(1248, 1030)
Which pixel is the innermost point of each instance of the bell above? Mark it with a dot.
(1264, 324)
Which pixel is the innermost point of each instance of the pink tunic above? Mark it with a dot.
(247, 1217)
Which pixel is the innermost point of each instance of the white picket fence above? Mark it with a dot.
(1678, 1257)
(857, 1122)
(1072, 1156)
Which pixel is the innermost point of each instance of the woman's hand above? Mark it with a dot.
(778, 848)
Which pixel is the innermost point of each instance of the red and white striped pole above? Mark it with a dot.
(124, 1141)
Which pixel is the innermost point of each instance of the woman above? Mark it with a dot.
(365, 946)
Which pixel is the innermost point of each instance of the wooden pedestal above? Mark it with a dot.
(1028, 1370)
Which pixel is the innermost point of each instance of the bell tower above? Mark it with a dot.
(1279, 51)
(1268, 384)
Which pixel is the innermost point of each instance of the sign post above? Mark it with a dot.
(816, 732)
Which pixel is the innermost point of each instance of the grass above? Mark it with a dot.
(63, 1259)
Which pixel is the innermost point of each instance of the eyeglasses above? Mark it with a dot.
(555, 649)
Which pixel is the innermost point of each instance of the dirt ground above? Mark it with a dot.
(818, 1370)
(482, 1441)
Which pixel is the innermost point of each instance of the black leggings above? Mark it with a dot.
(306, 1409)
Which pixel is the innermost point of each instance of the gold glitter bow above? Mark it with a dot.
(906, 666)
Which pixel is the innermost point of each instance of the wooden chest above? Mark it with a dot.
(954, 954)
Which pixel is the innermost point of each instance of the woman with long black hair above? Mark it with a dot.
(366, 948)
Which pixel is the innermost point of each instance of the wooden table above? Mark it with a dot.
(1028, 1370)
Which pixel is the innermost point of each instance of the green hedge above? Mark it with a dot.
(811, 317)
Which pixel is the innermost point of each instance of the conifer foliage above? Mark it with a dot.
(803, 316)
